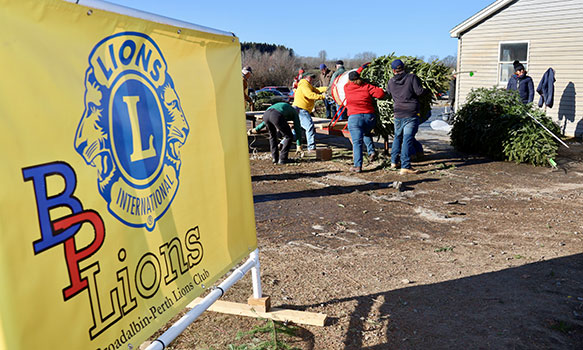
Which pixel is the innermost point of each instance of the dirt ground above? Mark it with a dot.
(470, 254)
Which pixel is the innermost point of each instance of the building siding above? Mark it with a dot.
(554, 30)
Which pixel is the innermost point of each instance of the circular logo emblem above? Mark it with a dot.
(132, 128)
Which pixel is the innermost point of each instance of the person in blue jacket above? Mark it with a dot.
(522, 83)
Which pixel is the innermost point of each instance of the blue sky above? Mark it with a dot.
(342, 28)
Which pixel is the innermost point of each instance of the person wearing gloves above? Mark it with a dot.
(304, 101)
(361, 118)
(522, 83)
(276, 118)
(256, 130)
(405, 88)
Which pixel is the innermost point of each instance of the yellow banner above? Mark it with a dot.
(125, 184)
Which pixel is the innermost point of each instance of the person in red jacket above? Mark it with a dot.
(361, 118)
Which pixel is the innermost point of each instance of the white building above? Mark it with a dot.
(541, 34)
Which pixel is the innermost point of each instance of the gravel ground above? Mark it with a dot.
(469, 254)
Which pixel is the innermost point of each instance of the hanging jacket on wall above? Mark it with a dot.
(546, 88)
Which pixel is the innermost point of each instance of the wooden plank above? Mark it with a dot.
(276, 314)
(338, 126)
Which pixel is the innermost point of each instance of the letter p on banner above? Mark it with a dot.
(126, 187)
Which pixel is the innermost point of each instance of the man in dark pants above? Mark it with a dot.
(276, 118)
(451, 93)
(339, 71)
(325, 76)
(405, 88)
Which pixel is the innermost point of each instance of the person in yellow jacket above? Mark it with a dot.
(304, 100)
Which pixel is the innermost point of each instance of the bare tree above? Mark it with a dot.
(276, 68)
(433, 58)
(450, 61)
(366, 56)
(322, 55)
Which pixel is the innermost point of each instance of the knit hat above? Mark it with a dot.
(323, 66)
(353, 75)
(397, 64)
(340, 62)
(517, 65)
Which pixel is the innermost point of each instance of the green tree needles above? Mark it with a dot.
(494, 122)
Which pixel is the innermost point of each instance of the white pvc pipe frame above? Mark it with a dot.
(107, 6)
(177, 328)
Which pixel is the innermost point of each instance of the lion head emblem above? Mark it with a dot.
(133, 128)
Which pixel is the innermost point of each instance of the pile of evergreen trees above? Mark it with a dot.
(495, 123)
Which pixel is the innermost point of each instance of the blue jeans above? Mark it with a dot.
(404, 143)
(360, 127)
(344, 112)
(308, 124)
(329, 110)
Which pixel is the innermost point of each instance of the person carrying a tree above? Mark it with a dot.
(405, 89)
(304, 101)
(361, 118)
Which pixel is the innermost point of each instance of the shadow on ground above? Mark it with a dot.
(292, 176)
(333, 190)
(428, 316)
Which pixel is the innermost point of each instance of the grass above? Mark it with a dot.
(275, 332)
(562, 327)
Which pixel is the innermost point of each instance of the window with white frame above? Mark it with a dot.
(509, 52)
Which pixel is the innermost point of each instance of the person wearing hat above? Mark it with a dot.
(325, 75)
(405, 88)
(339, 71)
(247, 71)
(304, 100)
(522, 83)
(361, 118)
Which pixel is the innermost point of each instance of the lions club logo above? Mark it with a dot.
(132, 128)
